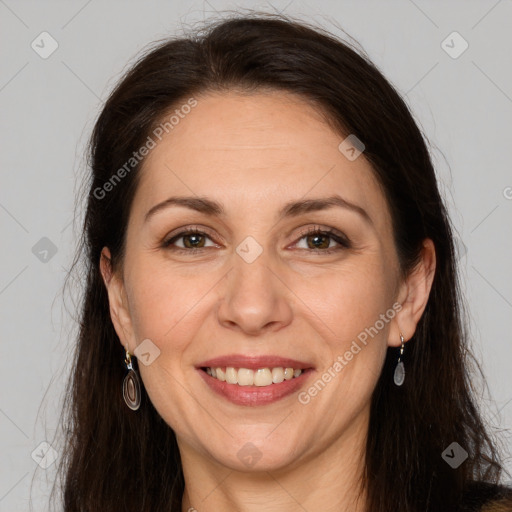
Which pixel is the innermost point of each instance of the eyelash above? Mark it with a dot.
(342, 240)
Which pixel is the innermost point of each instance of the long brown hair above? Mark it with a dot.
(116, 459)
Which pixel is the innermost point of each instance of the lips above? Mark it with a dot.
(264, 391)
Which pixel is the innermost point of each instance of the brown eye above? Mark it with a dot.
(191, 239)
(320, 240)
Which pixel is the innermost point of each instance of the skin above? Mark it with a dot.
(254, 153)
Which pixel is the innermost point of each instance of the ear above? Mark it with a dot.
(413, 295)
(119, 311)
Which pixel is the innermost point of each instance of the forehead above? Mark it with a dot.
(257, 150)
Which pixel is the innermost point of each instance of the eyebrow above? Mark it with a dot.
(290, 209)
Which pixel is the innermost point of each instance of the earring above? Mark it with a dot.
(131, 385)
(399, 376)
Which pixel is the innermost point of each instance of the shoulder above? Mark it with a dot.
(487, 497)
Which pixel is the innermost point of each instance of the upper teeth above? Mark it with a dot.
(248, 377)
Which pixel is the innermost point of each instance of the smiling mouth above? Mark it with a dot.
(260, 377)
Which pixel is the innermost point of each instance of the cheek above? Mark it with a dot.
(346, 308)
(165, 304)
(349, 299)
(353, 308)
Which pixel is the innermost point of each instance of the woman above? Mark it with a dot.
(272, 318)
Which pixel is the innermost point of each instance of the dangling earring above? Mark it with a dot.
(131, 385)
(399, 376)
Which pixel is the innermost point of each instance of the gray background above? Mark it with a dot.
(48, 106)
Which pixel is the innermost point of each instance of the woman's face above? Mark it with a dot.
(258, 287)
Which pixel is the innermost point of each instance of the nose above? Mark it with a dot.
(254, 299)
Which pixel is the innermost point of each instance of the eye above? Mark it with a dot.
(193, 240)
(319, 240)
